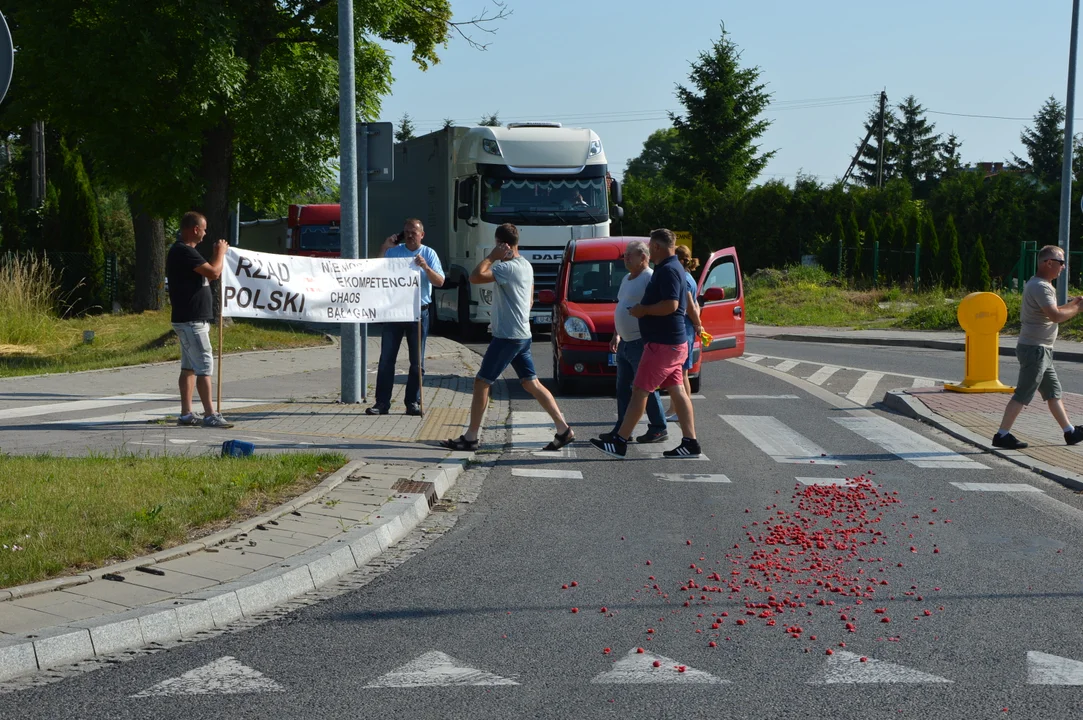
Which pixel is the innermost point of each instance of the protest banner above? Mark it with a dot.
(321, 290)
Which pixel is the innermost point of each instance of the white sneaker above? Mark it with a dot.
(189, 420)
(216, 421)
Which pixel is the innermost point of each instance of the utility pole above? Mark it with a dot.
(1066, 169)
(880, 156)
(350, 361)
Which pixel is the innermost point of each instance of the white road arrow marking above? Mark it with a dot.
(692, 477)
(846, 668)
(638, 668)
(435, 669)
(1045, 669)
(224, 676)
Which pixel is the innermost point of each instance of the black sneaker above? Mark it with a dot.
(1011, 442)
(1074, 437)
(376, 410)
(653, 436)
(413, 410)
(688, 448)
(611, 444)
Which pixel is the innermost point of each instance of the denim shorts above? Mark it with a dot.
(688, 360)
(195, 342)
(503, 352)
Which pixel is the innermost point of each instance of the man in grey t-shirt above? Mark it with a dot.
(513, 295)
(1039, 318)
(627, 342)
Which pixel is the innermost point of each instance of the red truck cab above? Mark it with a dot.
(315, 230)
(586, 296)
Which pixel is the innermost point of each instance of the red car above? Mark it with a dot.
(586, 296)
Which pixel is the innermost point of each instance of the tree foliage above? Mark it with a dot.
(978, 278)
(1044, 143)
(917, 146)
(867, 170)
(721, 125)
(405, 130)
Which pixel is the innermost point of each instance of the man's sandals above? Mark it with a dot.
(461, 444)
(560, 440)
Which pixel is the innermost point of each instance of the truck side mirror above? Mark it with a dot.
(547, 296)
(714, 294)
(618, 213)
(464, 212)
(466, 192)
(615, 196)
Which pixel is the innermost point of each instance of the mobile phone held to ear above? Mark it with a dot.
(400, 237)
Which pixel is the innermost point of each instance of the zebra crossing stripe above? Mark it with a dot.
(778, 441)
(530, 430)
(824, 481)
(553, 474)
(752, 358)
(915, 449)
(820, 376)
(922, 382)
(1046, 669)
(786, 365)
(996, 487)
(864, 388)
(692, 477)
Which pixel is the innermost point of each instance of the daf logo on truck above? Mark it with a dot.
(464, 182)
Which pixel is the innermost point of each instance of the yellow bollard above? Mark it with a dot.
(982, 315)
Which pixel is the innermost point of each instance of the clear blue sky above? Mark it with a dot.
(612, 65)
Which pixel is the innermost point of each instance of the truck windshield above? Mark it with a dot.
(544, 201)
(595, 282)
(321, 238)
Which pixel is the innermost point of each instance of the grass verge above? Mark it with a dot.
(60, 515)
(809, 296)
(121, 340)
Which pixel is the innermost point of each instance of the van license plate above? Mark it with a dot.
(612, 360)
(542, 319)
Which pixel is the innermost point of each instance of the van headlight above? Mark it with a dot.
(486, 296)
(490, 146)
(577, 328)
(595, 148)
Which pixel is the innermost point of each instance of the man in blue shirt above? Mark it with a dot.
(661, 316)
(407, 244)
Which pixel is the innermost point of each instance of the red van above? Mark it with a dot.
(586, 296)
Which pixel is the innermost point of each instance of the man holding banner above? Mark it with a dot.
(189, 276)
(407, 244)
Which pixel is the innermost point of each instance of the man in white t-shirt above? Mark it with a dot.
(1039, 317)
(627, 342)
(513, 294)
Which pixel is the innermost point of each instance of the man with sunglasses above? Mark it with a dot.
(1040, 317)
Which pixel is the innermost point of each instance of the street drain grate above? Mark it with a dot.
(414, 486)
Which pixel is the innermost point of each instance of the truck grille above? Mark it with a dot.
(545, 278)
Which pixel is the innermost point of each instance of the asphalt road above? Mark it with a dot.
(970, 581)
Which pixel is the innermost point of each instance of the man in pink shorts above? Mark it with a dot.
(661, 316)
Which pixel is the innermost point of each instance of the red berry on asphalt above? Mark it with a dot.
(712, 644)
(640, 650)
(604, 609)
(606, 651)
(657, 663)
(575, 610)
(564, 587)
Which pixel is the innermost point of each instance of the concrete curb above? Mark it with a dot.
(905, 404)
(217, 607)
(916, 342)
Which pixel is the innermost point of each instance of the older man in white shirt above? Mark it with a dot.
(627, 343)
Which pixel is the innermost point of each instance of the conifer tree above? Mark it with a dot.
(953, 266)
(978, 277)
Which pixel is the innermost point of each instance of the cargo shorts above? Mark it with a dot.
(1036, 373)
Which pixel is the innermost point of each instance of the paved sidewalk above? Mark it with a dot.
(282, 401)
(975, 418)
(938, 340)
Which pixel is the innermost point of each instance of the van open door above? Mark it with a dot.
(722, 306)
